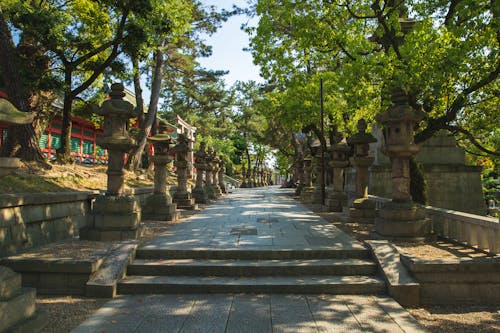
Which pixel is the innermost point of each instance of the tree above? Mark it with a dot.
(174, 55)
(448, 61)
(24, 76)
(84, 38)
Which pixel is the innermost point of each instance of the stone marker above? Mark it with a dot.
(115, 216)
(401, 218)
(159, 205)
(362, 209)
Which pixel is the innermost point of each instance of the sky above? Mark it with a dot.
(227, 46)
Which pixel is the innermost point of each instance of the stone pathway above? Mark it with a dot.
(250, 313)
(253, 223)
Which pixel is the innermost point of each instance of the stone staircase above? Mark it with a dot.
(334, 270)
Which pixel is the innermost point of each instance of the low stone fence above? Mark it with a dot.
(482, 232)
(33, 219)
(28, 220)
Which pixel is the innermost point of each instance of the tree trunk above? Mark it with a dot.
(135, 157)
(64, 152)
(21, 140)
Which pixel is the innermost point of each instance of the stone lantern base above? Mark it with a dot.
(363, 210)
(200, 195)
(8, 165)
(403, 221)
(185, 201)
(17, 305)
(211, 194)
(307, 194)
(114, 217)
(336, 201)
(159, 206)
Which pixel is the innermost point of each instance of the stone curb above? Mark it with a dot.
(400, 284)
(102, 283)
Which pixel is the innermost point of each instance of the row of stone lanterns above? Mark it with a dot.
(255, 177)
(117, 215)
(400, 218)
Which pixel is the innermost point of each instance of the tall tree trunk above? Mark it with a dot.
(21, 140)
(64, 152)
(152, 109)
(134, 160)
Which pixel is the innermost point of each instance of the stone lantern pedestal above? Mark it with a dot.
(307, 193)
(159, 206)
(401, 218)
(362, 209)
(115, 216)
(336, 197)
(199, 192)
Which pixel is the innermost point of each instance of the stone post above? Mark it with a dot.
(115, 216)
(199, 192)
(362, 209)
(337, 198)
(159, 206)
(299, 171)
(182, 196)
(307, 192)
(222, 169)
(401, 218)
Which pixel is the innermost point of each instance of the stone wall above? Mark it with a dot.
(450, 183)
(34, 219)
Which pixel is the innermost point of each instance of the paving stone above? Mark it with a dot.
(208, 315)
(250, 314)
(331, 314)
(291, 314)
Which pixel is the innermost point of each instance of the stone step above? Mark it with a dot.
(196, 267)
(340, 252)
(293, 285)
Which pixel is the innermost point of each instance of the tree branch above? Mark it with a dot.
(472, 139)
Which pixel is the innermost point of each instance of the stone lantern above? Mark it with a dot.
(10, 116)
(115, 216)
(199, 192)
(159, 206)
(307, 192)
(209, 187)
(222, 170)
(215, 174)
(401, 218)
(362, 209)
(337, 198)
(182, 196)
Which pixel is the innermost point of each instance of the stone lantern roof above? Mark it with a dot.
(162, 135)
(10, 115)
(400, 110)
(361, 137)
